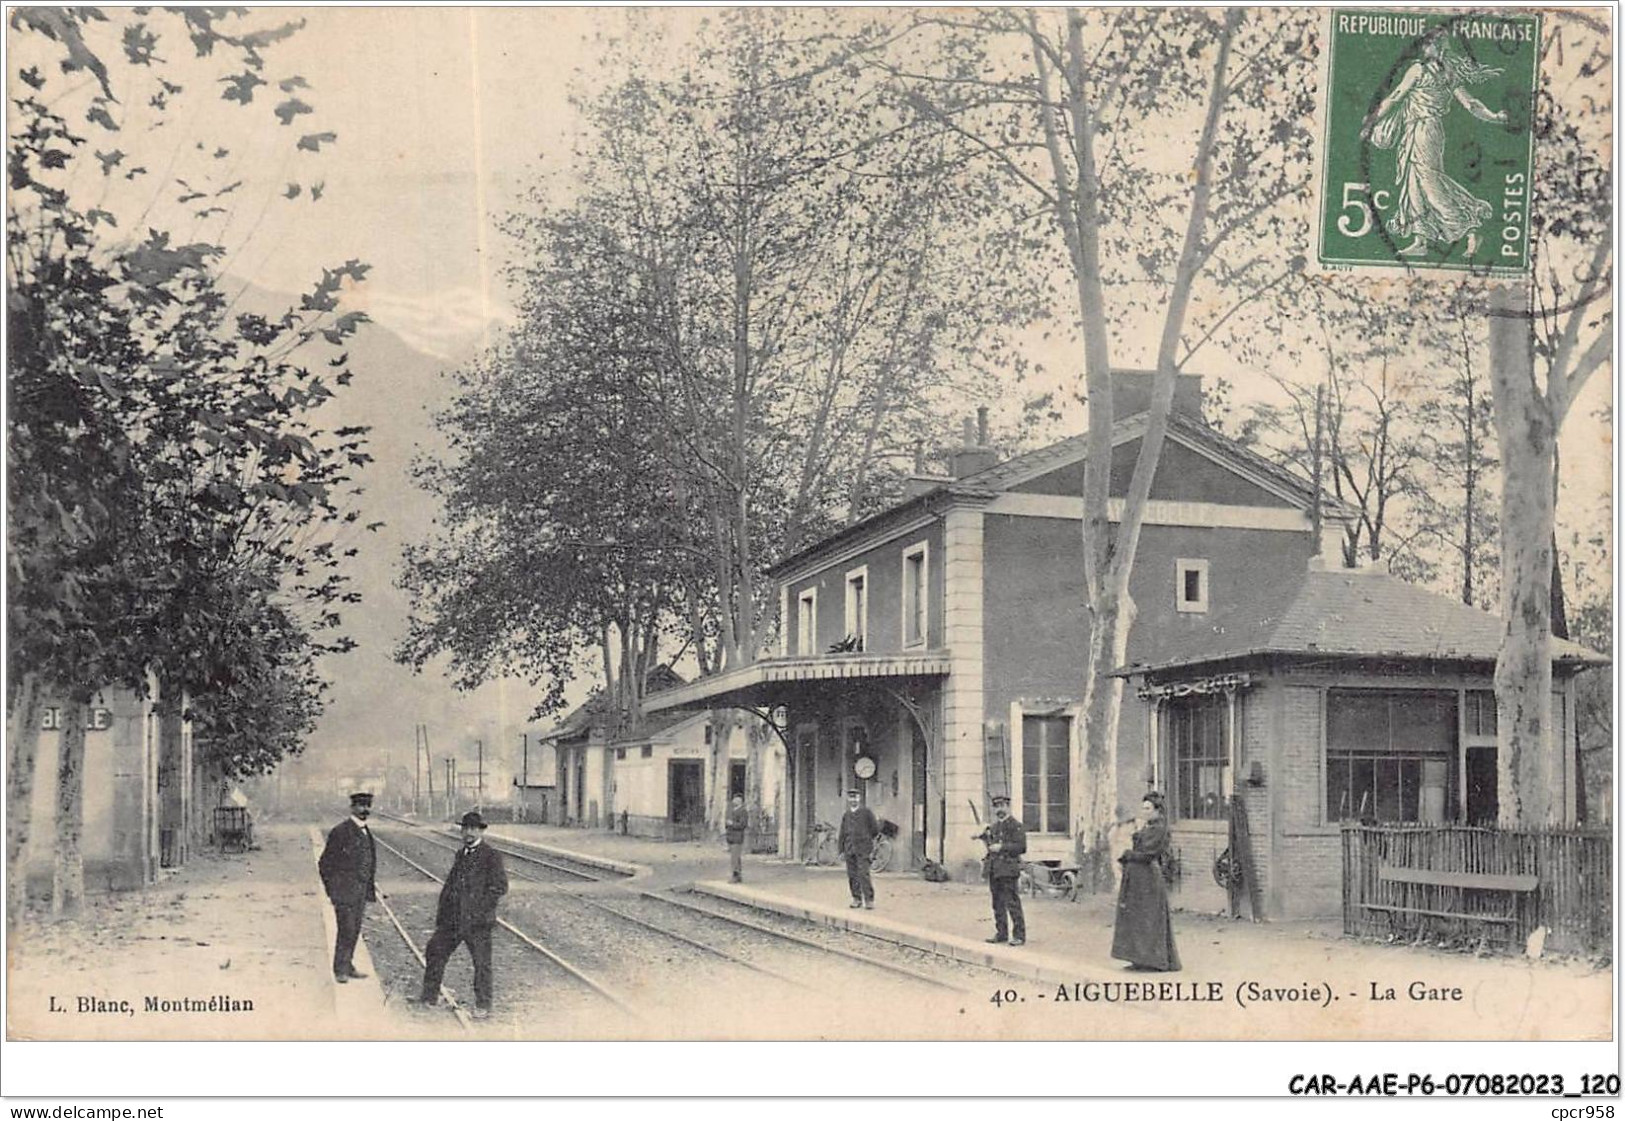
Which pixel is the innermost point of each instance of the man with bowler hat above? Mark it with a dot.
(856, 842)
(466, 913)
(1006, 840)
(348, 863)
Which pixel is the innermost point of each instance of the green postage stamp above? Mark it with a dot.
(1426, 147)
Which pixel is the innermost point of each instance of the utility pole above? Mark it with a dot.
(522, 809)
(479, 774)
(428, 766)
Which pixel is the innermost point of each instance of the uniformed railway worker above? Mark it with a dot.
(856, 842)
(1006, 841)
(466, 913)
(349, 861)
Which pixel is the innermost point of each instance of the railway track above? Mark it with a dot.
(693, 913)
(644, 924)
(569, 968)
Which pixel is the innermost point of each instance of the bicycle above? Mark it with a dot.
(821, 844)
(880, 856)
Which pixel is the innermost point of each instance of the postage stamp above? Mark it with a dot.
(1426, 145)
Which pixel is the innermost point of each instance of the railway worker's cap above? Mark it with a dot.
(361, 798)
(473, 820)
(1001, 799)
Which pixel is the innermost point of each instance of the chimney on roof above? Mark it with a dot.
(974, 454)
(1131, 393)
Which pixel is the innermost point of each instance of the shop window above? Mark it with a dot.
(1046, 773)
(807, 622)
(1390, 756)
(1190, 584)
(914, 594)
(1199, 752)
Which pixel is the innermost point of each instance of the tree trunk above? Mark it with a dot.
(1109, 626)
(755, 750)
(24, 751)
(68, 871)
(1523, 671)
(716, 800)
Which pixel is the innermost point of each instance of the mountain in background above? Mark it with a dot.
(375, 703)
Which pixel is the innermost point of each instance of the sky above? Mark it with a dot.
(444, 120)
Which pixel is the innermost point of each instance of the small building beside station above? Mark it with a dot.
(648, 776)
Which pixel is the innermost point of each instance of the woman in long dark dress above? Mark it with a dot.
(1145, 930)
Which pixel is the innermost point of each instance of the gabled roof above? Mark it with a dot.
(990, 482)
(595, 711)
(1182, 428)
(1363, 613)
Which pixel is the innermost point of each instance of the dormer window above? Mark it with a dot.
(1190, 585)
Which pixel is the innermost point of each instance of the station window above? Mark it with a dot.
(1046, 773)
(807, 622)
(857, 608)
(647, 751)
(915, 572)
(1190, 585)
(1197, 748)
(1390, 756)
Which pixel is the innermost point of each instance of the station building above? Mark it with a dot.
(933, 657)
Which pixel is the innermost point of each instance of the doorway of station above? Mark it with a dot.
(685, 793)
(918, 814)
(1483, 787)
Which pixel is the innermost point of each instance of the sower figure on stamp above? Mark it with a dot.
(856, 841)
(734, 834)
(1006, 840)
(466, 913)
(347, 866)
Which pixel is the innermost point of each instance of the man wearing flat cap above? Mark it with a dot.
(466, 913)
(856, 841)
(348, 863)
(1006, 841)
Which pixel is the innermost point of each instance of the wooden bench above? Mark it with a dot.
(1512, 884)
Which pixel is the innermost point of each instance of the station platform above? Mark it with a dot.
(1267, 973)
(228, 947)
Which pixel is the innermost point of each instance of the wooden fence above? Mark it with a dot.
(1452, 881)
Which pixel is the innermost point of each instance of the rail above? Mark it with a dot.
(573, 970)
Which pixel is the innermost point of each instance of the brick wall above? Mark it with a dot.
(1307, 851)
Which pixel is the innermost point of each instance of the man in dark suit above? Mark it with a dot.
(856, 841)
(466, 913)
(1006, 841)
(348, 863)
